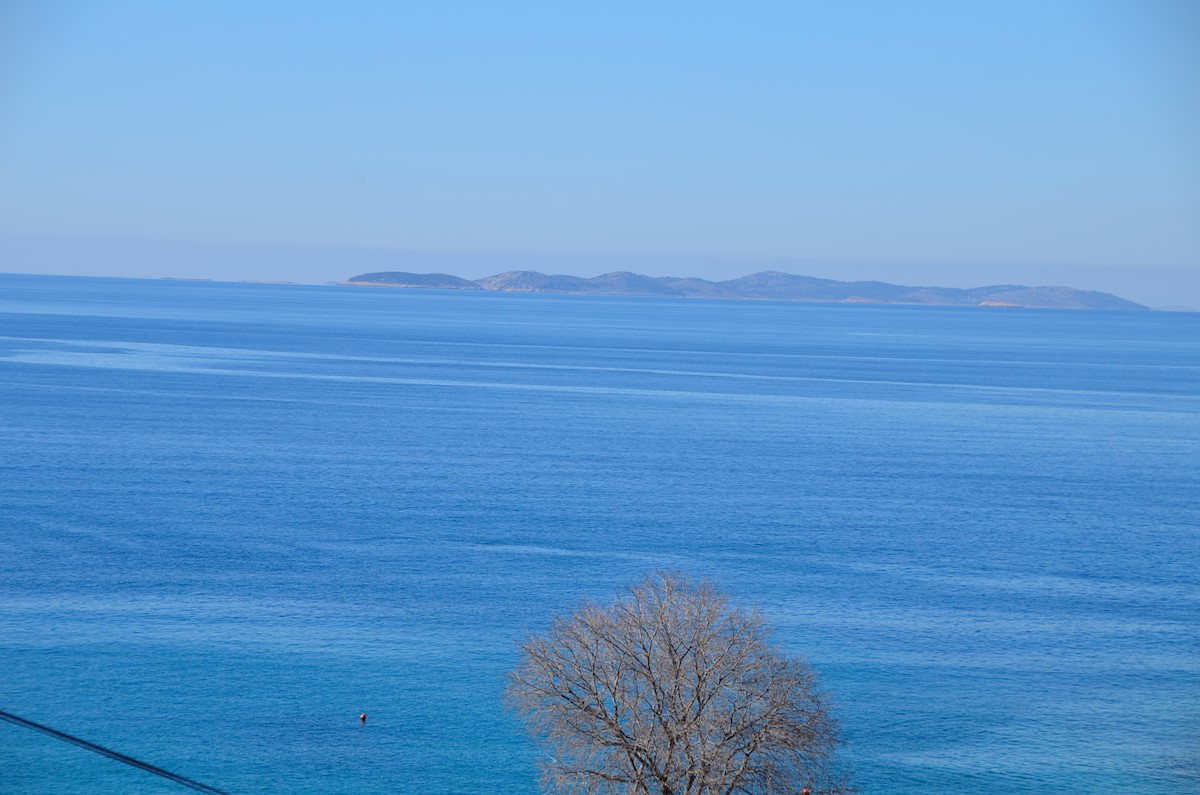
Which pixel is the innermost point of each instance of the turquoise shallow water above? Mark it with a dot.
(232, 517)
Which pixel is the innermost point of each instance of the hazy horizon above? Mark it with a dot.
(924, 142)
(1154, 287)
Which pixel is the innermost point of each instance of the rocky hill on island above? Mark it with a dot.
(765, 286)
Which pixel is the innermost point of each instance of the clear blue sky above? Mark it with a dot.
(965, 142)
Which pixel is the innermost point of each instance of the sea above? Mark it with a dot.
(235, 516)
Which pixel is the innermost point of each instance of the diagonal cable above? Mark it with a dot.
(99, 749)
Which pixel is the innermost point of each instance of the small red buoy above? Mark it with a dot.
(362, 718)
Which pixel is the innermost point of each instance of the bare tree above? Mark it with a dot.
(672, 690)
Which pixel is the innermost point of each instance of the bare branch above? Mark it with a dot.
(672, 690)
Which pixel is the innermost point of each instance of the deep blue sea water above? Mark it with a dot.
(234, 516)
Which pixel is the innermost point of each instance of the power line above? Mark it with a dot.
(99, 749)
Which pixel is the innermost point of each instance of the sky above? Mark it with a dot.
(914, 142)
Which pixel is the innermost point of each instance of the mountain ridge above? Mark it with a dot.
(762, 286)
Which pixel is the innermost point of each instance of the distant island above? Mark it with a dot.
(765, 286)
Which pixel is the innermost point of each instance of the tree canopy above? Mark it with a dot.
(672, 689)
